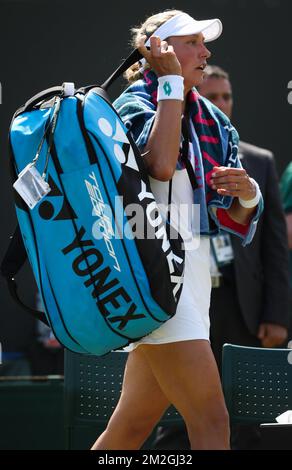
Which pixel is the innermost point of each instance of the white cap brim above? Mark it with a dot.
(211, 29)
(184, 25)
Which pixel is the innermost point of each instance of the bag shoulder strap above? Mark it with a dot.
(185, 152)
(12, 262)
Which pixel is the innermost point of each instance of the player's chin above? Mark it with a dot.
(197, 77)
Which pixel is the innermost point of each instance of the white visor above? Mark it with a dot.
(184, 25)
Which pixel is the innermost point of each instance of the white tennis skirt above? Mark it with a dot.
(191, 320)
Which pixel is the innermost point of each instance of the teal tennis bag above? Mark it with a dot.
(102, 285)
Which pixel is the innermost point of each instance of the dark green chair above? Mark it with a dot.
(257, 383)
(92, 388)
(31, 413)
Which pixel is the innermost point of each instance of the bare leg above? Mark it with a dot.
(187, 373)
(183, 373)
(141, 405)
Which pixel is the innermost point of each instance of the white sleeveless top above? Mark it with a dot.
(191, 320)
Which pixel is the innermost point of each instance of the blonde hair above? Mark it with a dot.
(147, 28)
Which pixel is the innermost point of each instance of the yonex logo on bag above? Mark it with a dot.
(90, 263)
(124, 154)
(47, 209)
(160, 233)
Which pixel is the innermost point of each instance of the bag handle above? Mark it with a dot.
(135, 56)
(42, 95)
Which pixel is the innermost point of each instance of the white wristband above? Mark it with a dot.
(251, 202)
(170, 87)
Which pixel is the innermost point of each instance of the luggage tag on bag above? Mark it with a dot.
(31, 186)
